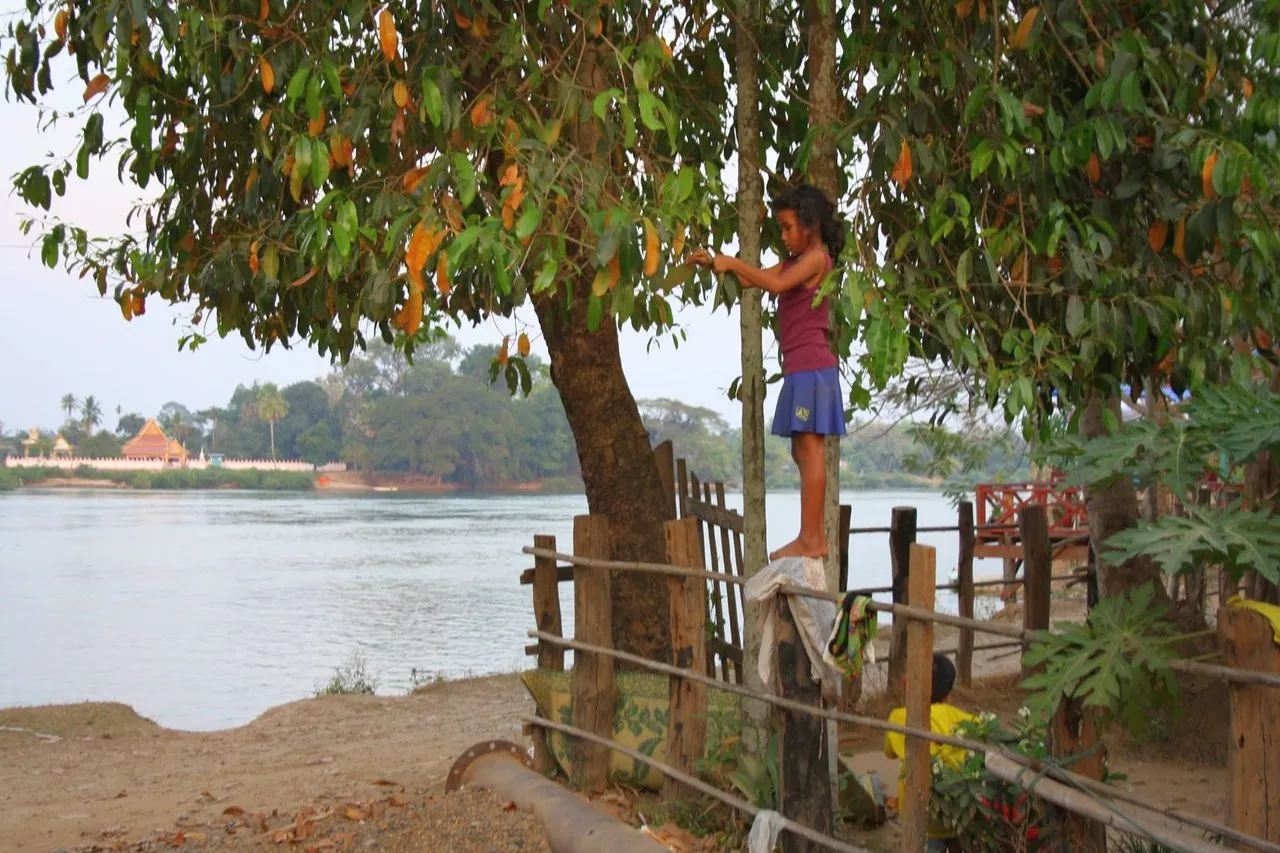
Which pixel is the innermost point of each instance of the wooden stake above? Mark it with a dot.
(688, 721)
(664, 457)
(964, 567)
(546, 611)
(1073, 740)
(1037, 568)
(916, 764)
(806, 784)
(902, 533)
(1253, 753)
(594, 691)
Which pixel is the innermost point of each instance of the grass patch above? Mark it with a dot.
(350, 679)
(172, 478)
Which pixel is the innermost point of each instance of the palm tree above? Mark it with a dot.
(272, 407)
(90, 413)
(69, 404)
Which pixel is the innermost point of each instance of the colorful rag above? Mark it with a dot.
(852, 636)
(1270, 612)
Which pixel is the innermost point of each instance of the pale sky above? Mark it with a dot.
(57, 336)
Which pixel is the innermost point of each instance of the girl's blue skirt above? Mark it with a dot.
(810, 401)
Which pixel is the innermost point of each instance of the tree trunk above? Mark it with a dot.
(1261, 485)
(1111, 510)
(752, 392)
(271, 428)
(618, 470)
(824, 172)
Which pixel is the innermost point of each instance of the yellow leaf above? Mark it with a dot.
(1157, 234)
(508, 217)
(1018, 273)
(253, 257)
(442, 274)
(464, 23)
(482, 111)
(268, 74)
(677, 245)
(480, 29)
(902, 169)
(964, 8)
(251, 179)
(1210, 73)
(96, 87)
(982, 11)
(408, 319)
(388, 38)
(552, 135)
(615, 271)
(522, 345)
(1180, 240)
(503, 356)
(264, 9)
(316, 126)
(1247, 85)
(188, 242)
(1093, 168)
(600, 284)
(1020, 36)
(509, 175)
(401, 93)
(651, 249)
(666, 49)
(1206, 175)
(60, 24)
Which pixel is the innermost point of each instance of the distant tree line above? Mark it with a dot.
(443, 417)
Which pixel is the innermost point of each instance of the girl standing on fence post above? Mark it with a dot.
(810, 405)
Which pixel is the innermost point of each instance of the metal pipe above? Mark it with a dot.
(572, 824)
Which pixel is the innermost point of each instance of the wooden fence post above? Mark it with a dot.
(1073, 740)
(664, 456)
(804, 773)
(964, 567)
(916, 764)
(1253, 754)
(546, 611)
(846, 520)
(902, 534)
(687, 725)
(594, 691)
(1037, 568)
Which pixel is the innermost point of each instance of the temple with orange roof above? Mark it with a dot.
(152, 443)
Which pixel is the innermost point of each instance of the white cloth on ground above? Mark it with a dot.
(813, 618)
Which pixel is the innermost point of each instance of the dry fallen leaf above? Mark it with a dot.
(395, 802)
(234, 811)
(96, 87)
(354, 813)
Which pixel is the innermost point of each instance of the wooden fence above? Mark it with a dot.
(1081, 805)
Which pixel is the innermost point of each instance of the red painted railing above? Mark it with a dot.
(998, 505)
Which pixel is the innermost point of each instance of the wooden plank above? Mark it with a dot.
(1072, 553)
(686, 732)
(564, 574)
(682, 487)
(718, 516)
(546, 614)
(739, 606)
(731, 606)
(1037, 569)
(715, 595)
(901, 537)
(804, 775)
(594, 690)
(546, 604)
(1253, 752)
(914, 809)
(846, 519)
(964, 568)
(664, 456)
(1073, 740)
(733, 653)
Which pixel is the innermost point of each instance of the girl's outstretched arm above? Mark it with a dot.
(775, 279)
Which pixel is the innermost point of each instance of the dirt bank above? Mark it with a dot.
(75, 775)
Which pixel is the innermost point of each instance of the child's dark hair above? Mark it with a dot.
(944, 678)
(814, 210)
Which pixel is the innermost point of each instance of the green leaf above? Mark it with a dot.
(595, 311)
(432, 100)
(1075, 315)
(600, 104)
(964, 268)
(528, 221)
(650, 107)
(297, 86)
(677, 276)
(466, 175)
(319, 163)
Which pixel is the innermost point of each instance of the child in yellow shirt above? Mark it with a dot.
(943, 720)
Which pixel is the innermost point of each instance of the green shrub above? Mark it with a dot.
(140, 480)
(352, 677)
(8, 480)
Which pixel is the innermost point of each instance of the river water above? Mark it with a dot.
(203, 609)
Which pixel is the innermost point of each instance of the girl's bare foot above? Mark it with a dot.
(801, 547)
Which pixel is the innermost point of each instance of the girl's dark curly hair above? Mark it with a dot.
(814, 210)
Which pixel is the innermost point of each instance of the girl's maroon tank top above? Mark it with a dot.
(803, 327)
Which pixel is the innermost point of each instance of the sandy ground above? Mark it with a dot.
(76, 775)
